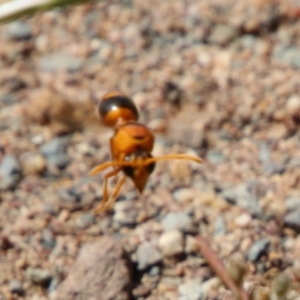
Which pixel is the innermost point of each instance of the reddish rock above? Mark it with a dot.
(100, 272)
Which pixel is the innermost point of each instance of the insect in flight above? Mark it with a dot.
(130, 146)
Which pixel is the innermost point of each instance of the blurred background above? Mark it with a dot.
(217, 79)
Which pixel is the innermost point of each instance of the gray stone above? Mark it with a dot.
(16, 287)
(48, 239)
(222, 34)
(292, 220)
(288, 56)
(257, 249)
(215, 156)
(191, 290)
(154, 271)
(60, 61)
(55, 152)
(220, 226)
(240, 195)
(248, 41)
(10, 172)
(39, 276)
(177, 220)
(264, 154)
(8, 99)
(292, 203)
(85, 220)
(19, 30)
(147, 255)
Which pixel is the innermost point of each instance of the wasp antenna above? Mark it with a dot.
(173, 156)
(101, 167)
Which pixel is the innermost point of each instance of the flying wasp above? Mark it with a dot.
(130, 146)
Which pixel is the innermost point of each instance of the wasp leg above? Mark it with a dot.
(116, 192)
(173, 156)
(101, 167)
(105, 197)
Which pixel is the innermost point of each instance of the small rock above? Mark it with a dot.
(55, 152)
(191, 290)
(142, 291)
(60, 61)
(222, 34)
(69, 195)
(177, 220)
(39, 276)
(258, 249)
(100, 269)
(33, 164)
(215, 156)
(292, 203)
(288, 56)
(241, 196)
(184, 195)
(147, 255)
(10, 172)
(19, 30)
(126, 212)
(293, 106)
(219, 226)
(48, 239)
(8, 99)
(243, 220)
(171, 243)
(191, 245)
(16, 287)
(292, 220)
(85, 220)
(154, 271)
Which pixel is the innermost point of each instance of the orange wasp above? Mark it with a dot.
(130, 146)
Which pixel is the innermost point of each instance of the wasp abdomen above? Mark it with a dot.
(115, 108)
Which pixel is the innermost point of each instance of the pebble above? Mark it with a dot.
(85, 220)
(288, 56)
(222, 34)
(154, 271)
(69, 195)
(191, 245)
(292, 220)
(48, 238)
(60, 61)
(147, 255)
(126, 212)
(184, 195)
(191, 290)
(39, 276)
(19, 30)
(257, 249)
(241, 196)
(171, 243)
(16, 287)
(292, 203)
(243, 220)
(215, 156)
(55, 152)
(293, 106)
(8, 99)
(219, 226)
(33, 164)
(177, 220)
(10, 172)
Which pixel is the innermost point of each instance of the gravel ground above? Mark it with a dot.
(218, 79)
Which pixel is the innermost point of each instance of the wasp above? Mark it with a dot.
(130, 146)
